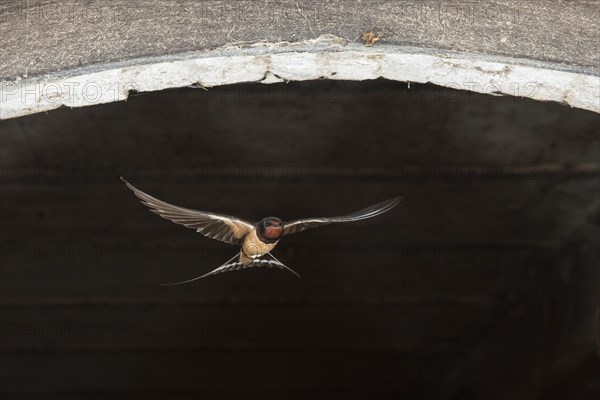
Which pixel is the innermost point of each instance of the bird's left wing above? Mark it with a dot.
(300, 225)
(215, 226)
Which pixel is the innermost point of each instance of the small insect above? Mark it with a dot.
(257, 240)
(369, 38)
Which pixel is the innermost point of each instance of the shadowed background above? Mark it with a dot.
(482, 283)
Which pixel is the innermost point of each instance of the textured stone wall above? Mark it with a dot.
(89, 52)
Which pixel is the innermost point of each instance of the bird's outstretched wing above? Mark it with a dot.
(234, 264)
(300, 225)
(215, 226)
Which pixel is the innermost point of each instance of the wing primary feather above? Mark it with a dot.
(300, 225)
(215, 226)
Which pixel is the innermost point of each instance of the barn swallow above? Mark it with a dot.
(257, 240)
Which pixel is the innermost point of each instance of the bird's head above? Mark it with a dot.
(270, 229)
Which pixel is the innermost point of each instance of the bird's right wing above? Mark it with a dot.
(215, 226)
(300, 225)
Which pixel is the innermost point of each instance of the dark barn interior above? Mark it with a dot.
(481, 284)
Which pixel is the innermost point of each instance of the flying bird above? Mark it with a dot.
(257, 240)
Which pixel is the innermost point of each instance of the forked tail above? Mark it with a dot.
(234, 264)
